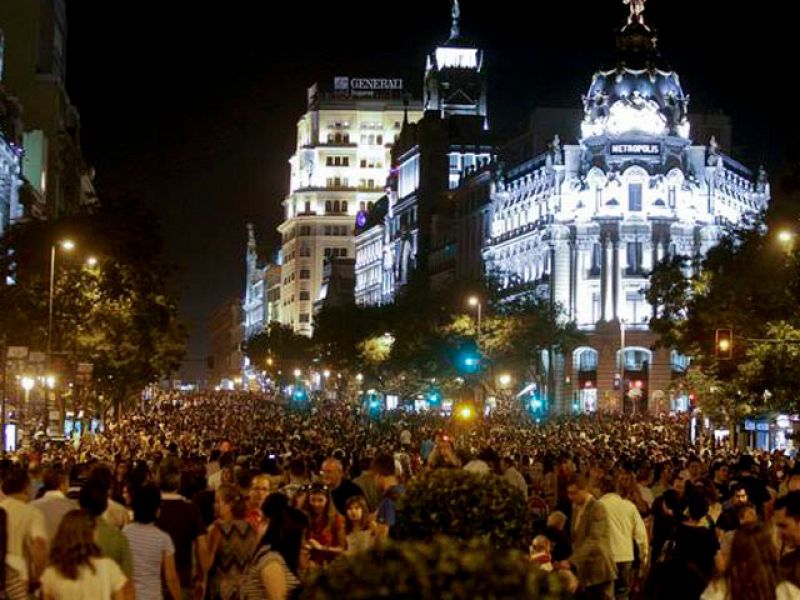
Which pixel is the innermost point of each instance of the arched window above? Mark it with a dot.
(336, 206)
(344, 206)
(584, 359)
(327, 206)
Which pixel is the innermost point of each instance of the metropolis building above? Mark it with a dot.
(586, 223)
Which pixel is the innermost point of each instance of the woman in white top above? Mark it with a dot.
(752, 572)
(77, 571)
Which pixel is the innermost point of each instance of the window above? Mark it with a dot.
(379, 140)
(596, 316)
(371, 184)
(327, 206)
(597, 259)
(371, 140)
(671, 196)
(304, 317)
(635, 197)
(344, 206)
(634, 257)
(305, 274)
(327, 230)
(305, 230)
(637, 308)
(346, 138)
(336, 206)
(329, 161)
(308, 206)
(304, 295)
(363, 163)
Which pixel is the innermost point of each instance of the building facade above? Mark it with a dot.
(34, 66)
(254, 307)
(586, 223)
(226, 334)
(428, 162)
(338, 171)
(10, 154)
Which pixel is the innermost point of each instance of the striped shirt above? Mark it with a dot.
(252, 588)
(148, 546)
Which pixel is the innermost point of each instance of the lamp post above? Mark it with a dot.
(67, 245)
(622, 363)
(27, 384)
(475, 301)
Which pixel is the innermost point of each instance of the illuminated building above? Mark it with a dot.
(10, 155)
(585, 224)
(428, 161)
(338, 171)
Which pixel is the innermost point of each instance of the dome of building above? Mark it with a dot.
(640, 95)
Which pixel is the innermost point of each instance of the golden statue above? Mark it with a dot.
(637, 8)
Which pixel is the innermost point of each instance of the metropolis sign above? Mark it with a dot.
(363, 84)
(624, 149)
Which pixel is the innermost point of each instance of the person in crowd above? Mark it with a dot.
(756, 487)
(259, 490)
(540, 553)
(626, 529)
(384, 470)
(232, 541)
(556, 531)
(340, 487)
(182, 521)
(443, 454)
(11, 583)
(112, 543)
(513, 476)
(720, 476)
(54, 504)
(366, 481)
(591, 550)
(787, 523)
(77, 570)
(116, 514)
(728, 520)
(663, 477)
(752, 571)
(280, 559)
(26, 532)
(152, 549)
(691, 559)
(326, 531)
(360, 528)
(298, 477)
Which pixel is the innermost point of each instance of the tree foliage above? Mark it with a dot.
(749, 283)
(120, 315)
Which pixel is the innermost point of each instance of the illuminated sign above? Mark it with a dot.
(635, 149)
(367, 84)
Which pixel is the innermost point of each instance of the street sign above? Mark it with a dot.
(17, 352)
(37, 358)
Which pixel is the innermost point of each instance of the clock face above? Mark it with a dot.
(361, 218)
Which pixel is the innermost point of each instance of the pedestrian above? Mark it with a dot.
(326, 531)
(360, 528)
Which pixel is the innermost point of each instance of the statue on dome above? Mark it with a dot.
(713, 152)
(456, 14)
(555, 147)
(637, 8)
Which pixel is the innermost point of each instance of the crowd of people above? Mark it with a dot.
(239, 496)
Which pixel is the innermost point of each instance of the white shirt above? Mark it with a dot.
(54, 505)
(718, 590)
(106, 579)
(625, 525)
(25, 524)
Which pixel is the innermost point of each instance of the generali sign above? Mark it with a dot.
(364, 84)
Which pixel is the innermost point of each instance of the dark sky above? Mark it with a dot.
(191, 107)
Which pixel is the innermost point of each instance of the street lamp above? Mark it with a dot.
(504, 379)
(475, 302)
(297, 373)
(359, 378)
(91, 262)
(67, 245)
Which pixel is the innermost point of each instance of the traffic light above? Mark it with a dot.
(434, 397)
(723, 344)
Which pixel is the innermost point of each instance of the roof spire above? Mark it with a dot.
(251, 237)
(455, 31)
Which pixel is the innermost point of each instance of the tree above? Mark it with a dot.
(120, 315)
(749, 284)
(279, 344)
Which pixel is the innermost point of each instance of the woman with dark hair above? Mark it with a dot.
(360, 528)
(274, 571)
(231, 542)
(10, 581)
(152, 549)
(752, 572)
(325, 533)
(77, 571)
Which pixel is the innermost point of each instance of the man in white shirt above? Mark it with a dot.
(626, 527)
(25, 527)
(54, 504)
(512, 475)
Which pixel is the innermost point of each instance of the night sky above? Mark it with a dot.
(191, 108)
